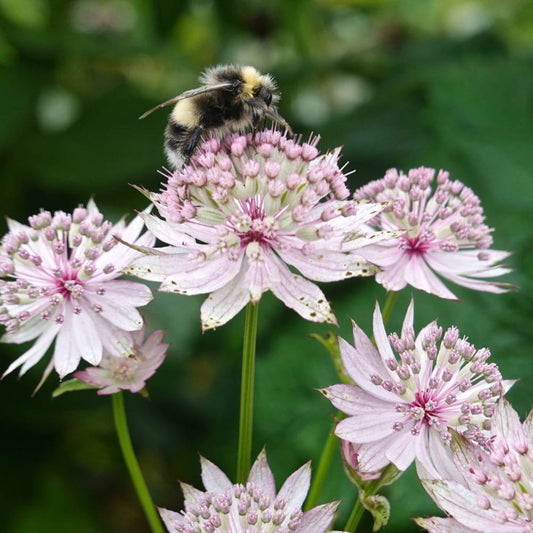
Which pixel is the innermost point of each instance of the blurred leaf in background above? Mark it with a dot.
(397, 83)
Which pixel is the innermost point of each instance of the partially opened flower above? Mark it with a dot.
(494, 491)
(246, 209)
(405, 404)
(251, 508)
(445, 234)
(61, 284)
(129, 372)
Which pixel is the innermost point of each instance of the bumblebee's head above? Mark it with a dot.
(259, 86)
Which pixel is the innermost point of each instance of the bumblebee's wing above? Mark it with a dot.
(188, 94)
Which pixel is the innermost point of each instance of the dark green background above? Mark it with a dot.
(438, 83)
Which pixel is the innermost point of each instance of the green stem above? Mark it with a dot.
(247, 393)
(358, 509)
(121, 424)
(389, 304)
(323, 467)
(355, 516)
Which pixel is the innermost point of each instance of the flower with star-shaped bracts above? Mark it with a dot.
(251, 508)
(60, 284)
(444, 234)
(491, 489)
(128, 372)
(245, 210)
(404, 405)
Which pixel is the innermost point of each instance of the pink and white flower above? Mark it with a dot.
(251, 508)
(493, 489)
(246, 209)
(130, 372)
(61, 285)
(444, 234)
(405, 404)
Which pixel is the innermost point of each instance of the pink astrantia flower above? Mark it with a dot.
(130, 372)
(445, 234)
(61, 284)
(241, 212)
(404, 405)
(251, 508)
(494, 489)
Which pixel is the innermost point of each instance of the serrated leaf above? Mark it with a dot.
(71, 385)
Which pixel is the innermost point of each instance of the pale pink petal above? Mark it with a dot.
(386, 255)
(86, 337)
(191, 495)
(222, 305)
(372, 455)
(158, 266)
(66, 353)
(409, 320)
(167, 231)
(479, 285)
(295, 488)
(135, 294)
(420, 276)
(34, 327)
(368, 426)
(299, 294)
(380, 336)
(205, 276)
(361, 364)
(464, 262)
(318, 519)
(332, 266)
(32, 356)
(213, 478)
(506, 422)
(435, 524)
(262, 476)
(462, 504)
(352, 400)
(171, 519)
(402, 451)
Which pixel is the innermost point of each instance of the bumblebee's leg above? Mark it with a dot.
(191, 142)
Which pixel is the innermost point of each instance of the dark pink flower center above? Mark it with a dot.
(425, 406)
(416, 246)
(69, 286)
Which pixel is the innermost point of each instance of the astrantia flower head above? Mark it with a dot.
(60, 281)
(251, 508)
(405, 404)
(130, 372)
(445, 234)
(494, 488)
(241, 212)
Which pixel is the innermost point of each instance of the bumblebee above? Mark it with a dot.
(231, 98)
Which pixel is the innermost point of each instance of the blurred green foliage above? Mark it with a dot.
(398, 83)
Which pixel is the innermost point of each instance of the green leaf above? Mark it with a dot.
(71, 385)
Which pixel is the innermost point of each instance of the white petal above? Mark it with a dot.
(295, 488)
(262, 476)
(213, 478)
(36, 352)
